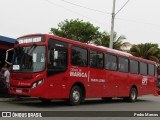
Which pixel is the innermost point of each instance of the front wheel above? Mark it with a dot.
(75, 97)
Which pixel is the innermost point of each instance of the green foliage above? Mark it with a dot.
(147, 51)
(104, 40)
(118, 43)
(87, 33)
(77, 30)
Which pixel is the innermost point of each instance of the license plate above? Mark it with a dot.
(19, 91)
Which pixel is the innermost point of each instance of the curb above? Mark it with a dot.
(12, 99)
(6, 99)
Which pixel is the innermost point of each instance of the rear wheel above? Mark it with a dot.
(75, 97)
(133, 95)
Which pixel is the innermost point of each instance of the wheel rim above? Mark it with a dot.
(133, 95)
(76, 96)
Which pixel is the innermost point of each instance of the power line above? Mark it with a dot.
(122, 7)
(129, 20)
(85, 7)
(53, 3)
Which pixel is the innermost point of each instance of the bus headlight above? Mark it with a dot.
(34, 85)
(37, 83)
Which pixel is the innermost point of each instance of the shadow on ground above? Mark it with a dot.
(4, 93)
(35, 102)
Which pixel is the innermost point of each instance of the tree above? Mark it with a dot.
(147, 51)
(87, 33)
(103, 40)
(77, 30)
(118, 43)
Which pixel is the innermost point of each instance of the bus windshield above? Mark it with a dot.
(29, 59)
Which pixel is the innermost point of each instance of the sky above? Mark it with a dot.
(138, 20)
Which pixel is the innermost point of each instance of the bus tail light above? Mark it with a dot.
(37, 83)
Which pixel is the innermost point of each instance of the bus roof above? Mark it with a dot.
(92, 46)
(105, 49)
(115, 51)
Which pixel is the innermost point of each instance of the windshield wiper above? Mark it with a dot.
(31, 49)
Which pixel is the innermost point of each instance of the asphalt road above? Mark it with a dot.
(145, 103)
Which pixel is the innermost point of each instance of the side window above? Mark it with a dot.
(134, 67)
(123, 64)
(143, 68)
(79, 56)
(151, 69)
(110, 62)
(57, 56)
(96, 59)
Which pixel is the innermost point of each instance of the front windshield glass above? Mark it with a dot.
(29, 59)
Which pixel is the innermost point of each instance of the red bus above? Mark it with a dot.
(51, 67)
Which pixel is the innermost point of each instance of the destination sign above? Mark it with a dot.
(31, 39)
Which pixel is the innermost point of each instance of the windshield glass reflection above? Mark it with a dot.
(29, 59)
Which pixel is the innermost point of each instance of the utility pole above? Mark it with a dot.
(112, 22)
(112, 25)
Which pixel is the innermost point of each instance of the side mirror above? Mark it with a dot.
(9, 56)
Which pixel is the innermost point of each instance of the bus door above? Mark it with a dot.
(57, 67)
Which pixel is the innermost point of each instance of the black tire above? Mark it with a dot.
(107, 99)
(132, 96)
(75, 96)
(45, 100)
